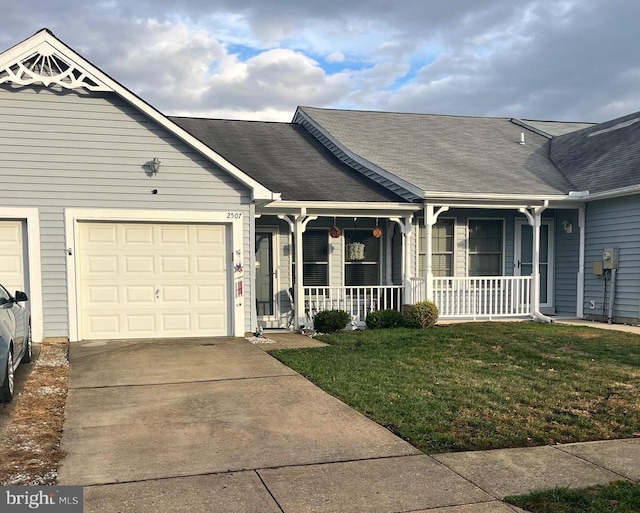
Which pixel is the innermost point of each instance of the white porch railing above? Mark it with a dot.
(356, 301)
(477, 297)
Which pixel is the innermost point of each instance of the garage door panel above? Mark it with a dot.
(178, 235)
(137, 235)
(139, 264)
(141, 324)
(103, 295)
(176, 264)
(101, 264)
(101, 235)
(145, 294)
(158, 280)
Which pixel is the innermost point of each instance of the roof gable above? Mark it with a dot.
(44, 60)
(603, 157)
(441, 155)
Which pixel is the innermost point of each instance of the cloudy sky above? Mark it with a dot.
(259, 59)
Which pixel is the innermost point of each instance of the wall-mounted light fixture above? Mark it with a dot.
(567, 226)
(155, 165)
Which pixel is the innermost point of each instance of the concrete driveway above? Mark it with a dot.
(218, 425)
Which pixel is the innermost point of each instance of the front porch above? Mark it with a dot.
(419, 254)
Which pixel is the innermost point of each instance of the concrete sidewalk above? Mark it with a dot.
(218, 425)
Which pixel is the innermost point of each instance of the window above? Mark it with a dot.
(485, 247)
(441, 248)
(315, 257)
(367, 270)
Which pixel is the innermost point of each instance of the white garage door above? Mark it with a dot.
(12, 274)
(152, 280)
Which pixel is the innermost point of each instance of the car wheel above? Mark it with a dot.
(28, 348)
(6, 390)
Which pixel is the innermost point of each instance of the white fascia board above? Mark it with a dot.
(416, 191)
(44, 38)
(615, 193)
(491, 197)
(330, 208)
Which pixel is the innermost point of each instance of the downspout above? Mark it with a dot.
(612, 296)
(580, 277)
(535, 221)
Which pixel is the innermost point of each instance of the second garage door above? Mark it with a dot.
(139, 280)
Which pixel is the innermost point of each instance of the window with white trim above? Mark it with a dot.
(315, 258)
(486, 247)
(361, 263)
(442, 240)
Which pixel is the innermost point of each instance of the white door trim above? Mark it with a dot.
(273, 321)
(233, 218)
(33, 263)
(550, 257)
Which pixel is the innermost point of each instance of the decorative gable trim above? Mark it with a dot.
(44, 64)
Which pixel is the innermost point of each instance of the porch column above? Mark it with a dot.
(298, 226)
(430, 218)
(535, 220)
(405, 229)
(580, 277)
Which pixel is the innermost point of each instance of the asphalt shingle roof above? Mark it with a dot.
(285, 158)
(447, 153)
(555, 128)
(603, 157)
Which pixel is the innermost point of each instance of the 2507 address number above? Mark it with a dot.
(234, 215)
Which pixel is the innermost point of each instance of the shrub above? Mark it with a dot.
(328, 321)
(383, 319)
(423, 314)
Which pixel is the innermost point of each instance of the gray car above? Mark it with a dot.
(15, 339)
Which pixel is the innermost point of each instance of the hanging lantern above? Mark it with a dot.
(335, 232)
(377, 232)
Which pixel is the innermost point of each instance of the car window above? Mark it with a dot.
(4, 295)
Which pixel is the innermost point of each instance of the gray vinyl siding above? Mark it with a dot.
(614, 223)
(567, 250)
(72, 150)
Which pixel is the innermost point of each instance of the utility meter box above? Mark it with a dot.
(610, 258)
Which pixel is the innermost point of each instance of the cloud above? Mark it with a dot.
(556, 59)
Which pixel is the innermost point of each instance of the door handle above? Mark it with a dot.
(518, 264)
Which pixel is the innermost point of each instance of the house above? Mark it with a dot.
(121, 222)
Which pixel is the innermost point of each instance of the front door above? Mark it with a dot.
(266, 277)
(523, 257)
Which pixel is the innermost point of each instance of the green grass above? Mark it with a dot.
(484, 385)
(618, 497)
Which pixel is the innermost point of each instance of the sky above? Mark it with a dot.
(259, 59)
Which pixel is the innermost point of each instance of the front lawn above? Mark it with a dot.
(484, 385)
(619, 497)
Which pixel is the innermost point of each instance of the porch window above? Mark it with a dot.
(485, 247)
(315, 256)
(441, 248)
(365, 271)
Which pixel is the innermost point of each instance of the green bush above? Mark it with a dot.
(422, 315)
(384, 319)
(329, 321)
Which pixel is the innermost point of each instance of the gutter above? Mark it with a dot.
(615, 193)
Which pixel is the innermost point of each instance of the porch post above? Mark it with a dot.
(535, 220)
(430, 218)
(580, 277)
(298, 227)
(406, 253)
